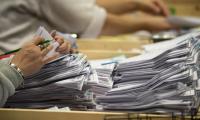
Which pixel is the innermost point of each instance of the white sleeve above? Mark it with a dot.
(83, 17)
(96, 24)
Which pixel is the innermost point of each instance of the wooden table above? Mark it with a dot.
(108, 46)
(30, 114)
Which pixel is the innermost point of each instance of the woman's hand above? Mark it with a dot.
(129, 23)
(154, 23)
(157, 7)
(65, 45)
(30, 59)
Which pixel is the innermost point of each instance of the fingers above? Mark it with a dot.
(72, 50)
(164, 9)
(59, 39)
(154, 8)
(41, 47)
(37, 40)
(157, 7)
(46, 50)
(160, 23)
(64, 48)
(149, 7)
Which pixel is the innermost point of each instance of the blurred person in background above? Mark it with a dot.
(88, 18)
(152, 16)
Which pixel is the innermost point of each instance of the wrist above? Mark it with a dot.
(17, 69)
(134, 23)
(145, 24)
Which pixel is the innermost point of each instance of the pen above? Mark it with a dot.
(13, 51)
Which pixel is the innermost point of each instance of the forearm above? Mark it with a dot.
(9, 80)
(117, 6)
(119, 24)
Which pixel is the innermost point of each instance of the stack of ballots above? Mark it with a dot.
(103, 69)
(60, 83)
(165, 80)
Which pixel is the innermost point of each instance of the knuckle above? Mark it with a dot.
(34, 52)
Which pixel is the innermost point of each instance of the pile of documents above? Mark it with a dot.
(69, 81)
(164, 79)
(61, 83)
(103, 69)
(101, 81)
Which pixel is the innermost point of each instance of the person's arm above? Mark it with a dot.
(29, 60)
(117, 6)
(82, 17)
(10, 79)
(157, 7)
(118, 24)
(86, 18)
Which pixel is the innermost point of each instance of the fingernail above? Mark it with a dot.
(53, 33)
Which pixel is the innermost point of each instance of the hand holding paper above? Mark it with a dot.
(60, 46)
(30, 59)
(43, 33)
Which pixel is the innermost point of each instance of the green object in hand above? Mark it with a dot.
(45, 43)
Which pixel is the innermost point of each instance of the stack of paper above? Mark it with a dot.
(167, 81)
(62, 83)
(184, 21)
(102, 74)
